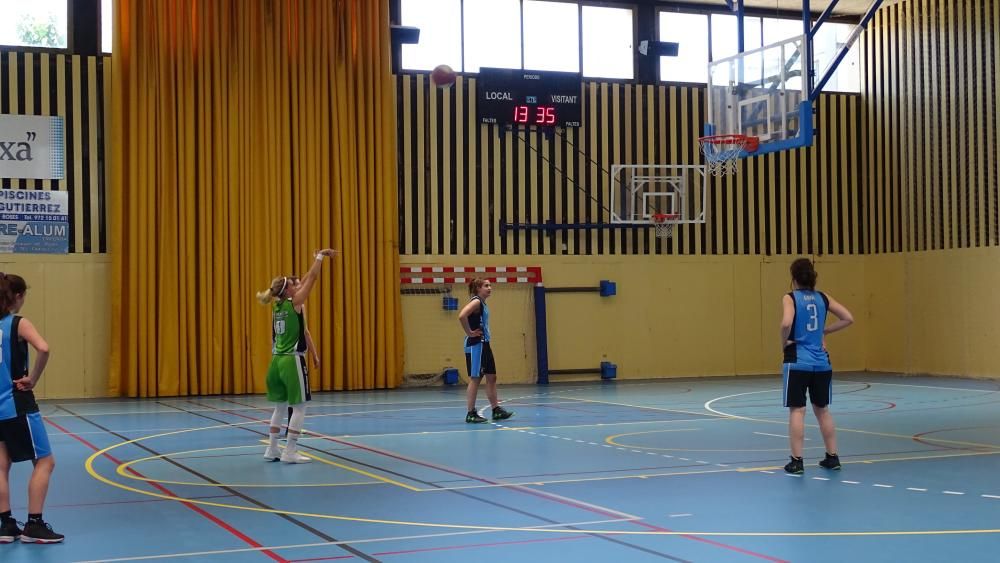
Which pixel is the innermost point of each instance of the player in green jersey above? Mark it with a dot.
(288, 375)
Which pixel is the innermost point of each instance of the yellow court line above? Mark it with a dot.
(360, 471)
(683, 473)
(237, 424)
(89, 466)
(610, 440)
(839, 429)
(124, 468)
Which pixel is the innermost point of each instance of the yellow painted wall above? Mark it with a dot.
(69, 301)
(935, 312)
(672, 317)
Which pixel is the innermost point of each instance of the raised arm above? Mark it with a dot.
(310, 278)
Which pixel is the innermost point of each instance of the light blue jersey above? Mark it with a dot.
(480, 320)
(13, 366)
(7, 409)
(806, 352)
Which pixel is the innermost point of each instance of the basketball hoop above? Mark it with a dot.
(722, 151)
(664, 223)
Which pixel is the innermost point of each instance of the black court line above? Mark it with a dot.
(230, 490)
(434, 485)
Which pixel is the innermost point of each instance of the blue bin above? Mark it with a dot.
(608, 370)
(450, 376)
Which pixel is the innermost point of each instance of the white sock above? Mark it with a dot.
(274, 440)
(293, 442)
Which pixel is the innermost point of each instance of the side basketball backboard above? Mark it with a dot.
(762, 93)
(641, 193)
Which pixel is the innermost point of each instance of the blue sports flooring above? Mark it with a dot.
(676, 470)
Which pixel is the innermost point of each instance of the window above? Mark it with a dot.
(440, 24)
(492, 34)
(776, 30)
(38, 23)
(826, 44)
(691, 32)
(724, 35)
(551, 36)
(107, 25)
(608, 49)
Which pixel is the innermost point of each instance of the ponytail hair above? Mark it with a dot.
(475, 284)
(276, 291)
(11, 285)
(804, 273)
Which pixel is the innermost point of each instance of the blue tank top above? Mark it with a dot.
(13, 366)
(479, 319)
(806, 352)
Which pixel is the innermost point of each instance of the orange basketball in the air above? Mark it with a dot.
(443, 76)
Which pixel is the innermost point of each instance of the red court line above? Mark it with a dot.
(556, 499)
(527, 490)
(218, 521)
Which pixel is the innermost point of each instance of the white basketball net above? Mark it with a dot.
(664, 226)
(721, 157)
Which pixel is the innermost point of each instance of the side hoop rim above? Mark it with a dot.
(749, 143)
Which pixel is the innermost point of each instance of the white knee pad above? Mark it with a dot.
(297, 419)
(278, 416)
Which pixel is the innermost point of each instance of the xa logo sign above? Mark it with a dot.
(15, 151)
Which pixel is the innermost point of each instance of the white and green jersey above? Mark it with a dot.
(288, 331)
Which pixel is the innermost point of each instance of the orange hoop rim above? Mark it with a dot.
(664, 217)
(748, 143)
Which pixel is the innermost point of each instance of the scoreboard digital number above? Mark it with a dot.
(517, 97)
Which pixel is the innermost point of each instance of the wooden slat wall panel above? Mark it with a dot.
(930, 113)
(71, 86)
(806, 201)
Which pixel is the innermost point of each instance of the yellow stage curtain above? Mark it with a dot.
(245, 135)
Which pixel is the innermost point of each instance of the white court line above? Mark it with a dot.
(708, 407)
(916, 489)
(344, 542)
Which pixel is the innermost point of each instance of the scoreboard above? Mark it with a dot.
(528, 97)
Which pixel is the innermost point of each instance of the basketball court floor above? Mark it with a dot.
(678, 470)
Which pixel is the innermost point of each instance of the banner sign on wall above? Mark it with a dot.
(34, 221)
(31, 147)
